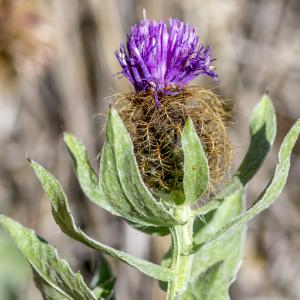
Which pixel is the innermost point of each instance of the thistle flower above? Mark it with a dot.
(160, 57)
(158, 136)
(160, 60)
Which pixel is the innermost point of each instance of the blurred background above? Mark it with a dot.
(57, 68)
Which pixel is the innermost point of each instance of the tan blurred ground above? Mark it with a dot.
(257, 46)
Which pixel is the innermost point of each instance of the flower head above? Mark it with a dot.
(160, 57)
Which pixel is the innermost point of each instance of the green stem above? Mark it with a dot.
(182, 242)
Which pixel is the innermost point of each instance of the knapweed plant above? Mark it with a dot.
(165, 154)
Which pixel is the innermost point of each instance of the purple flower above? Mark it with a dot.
(159, 57)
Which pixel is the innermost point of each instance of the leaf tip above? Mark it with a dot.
(66, 135)
(266, 99)
(68, 138)
(36, 166)
(189, 122)
(28, 158)
(32, 163)
(188, 126)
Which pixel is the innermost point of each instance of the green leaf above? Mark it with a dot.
(48, 292)
(87, 178)
(153, 230)
(103, 281)
(52, 275)
(263, 133)
(228, 250)
(196, 172)
(270, 193)
(207, 286)
(65, 220)
(122, 184)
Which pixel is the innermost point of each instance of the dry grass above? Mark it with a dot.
(25, 40)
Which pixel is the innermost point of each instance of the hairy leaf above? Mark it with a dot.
(270, 193)
(89, 182)
(208, 285)
(86, 175)
(228, 250)
(196, 172)
(65, 220)
(52, 275)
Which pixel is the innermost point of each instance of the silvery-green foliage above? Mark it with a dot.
(207, 243)
(230, 203)
(52, 275)
(196, 172)
(63, 217)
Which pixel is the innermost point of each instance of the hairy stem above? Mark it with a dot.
(182, 241)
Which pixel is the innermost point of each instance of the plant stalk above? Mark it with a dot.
(181, 263)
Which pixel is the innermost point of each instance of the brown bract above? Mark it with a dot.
(156, 133)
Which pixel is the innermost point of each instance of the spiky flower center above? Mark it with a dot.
(160, 56)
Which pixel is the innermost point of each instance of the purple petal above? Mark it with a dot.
(159, 56)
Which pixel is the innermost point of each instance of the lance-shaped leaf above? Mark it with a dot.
(65, 220)
(263, 133)
(89, 182)
(196, 172)
(228, 250)
(121, 182)
(87, 178)
(52, 275)
(270, 193)
(207, 286)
